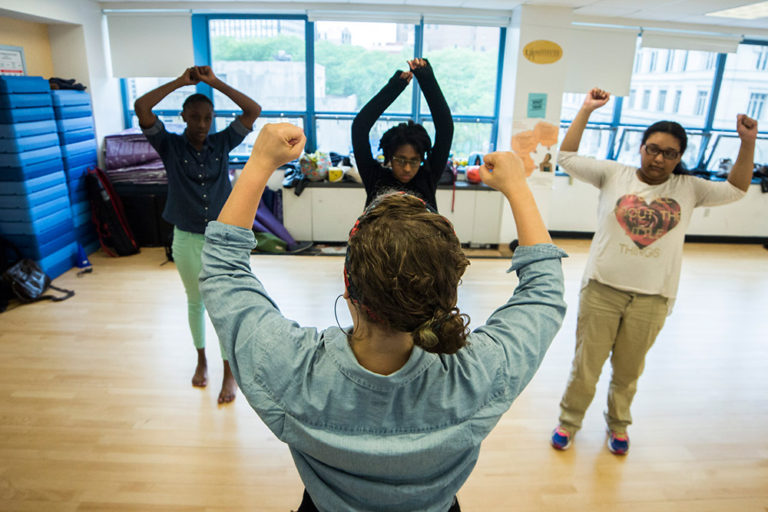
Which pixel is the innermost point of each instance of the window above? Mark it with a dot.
(676, 103)
(354, 60)
(652, 62)
(743, 87)
(272, 60)
(574, 102)
(710, 61)
(687, 81)
(701, 103)
(646, 99)
(670, 60)
(756, 104)
(698, 84)
(137, 87)
(762, 58)
(472, 102)
(263, 58)
(725, 146)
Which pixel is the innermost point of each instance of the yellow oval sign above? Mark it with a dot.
(543, 52)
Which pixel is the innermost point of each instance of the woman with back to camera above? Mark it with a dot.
(634, 261)
(411, 163)
(389, 414)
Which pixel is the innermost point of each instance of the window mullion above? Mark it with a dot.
(310, 128)
(418, 48)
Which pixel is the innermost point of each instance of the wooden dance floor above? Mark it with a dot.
(97, 412)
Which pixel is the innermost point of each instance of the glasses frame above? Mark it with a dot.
(406, 161)
(667, 154)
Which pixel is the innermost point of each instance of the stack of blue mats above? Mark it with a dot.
(74, 124)
(35, 209)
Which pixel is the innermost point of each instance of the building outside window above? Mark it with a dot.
(676, 102)
(652, 62)
(670, 60)
(701, 103)
(661, 100)
(762, 58)
(743, 86)
(756, 105)
(646, 99)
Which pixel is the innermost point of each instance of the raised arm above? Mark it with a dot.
(143, 106)
(441, 115)
(251, 109)
(741, 172)
(595, 99)
(366, 118)
(505, 172)
(276, 145)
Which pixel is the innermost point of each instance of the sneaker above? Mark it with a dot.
(561, 438)
(618, 443)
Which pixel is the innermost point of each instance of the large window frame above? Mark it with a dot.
(709, 136)
(310, 116)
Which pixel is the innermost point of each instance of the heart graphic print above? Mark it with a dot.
(645, 223)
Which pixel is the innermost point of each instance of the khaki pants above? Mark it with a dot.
(624, 325)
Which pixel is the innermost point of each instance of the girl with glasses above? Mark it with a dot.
(389, 413)
(411, 162)
(633, 269)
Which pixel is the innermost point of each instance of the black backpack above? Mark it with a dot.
(24, 280)
(107, 212)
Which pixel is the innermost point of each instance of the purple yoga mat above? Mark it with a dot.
(267, 223)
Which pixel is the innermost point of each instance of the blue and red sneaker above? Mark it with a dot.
(561, 438)
(618, 443)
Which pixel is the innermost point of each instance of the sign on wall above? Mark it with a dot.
(12, 61)
(542, 52)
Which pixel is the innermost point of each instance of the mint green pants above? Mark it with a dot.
(623, 325)
(187, 254)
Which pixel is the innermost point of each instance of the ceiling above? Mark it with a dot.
(667, 13)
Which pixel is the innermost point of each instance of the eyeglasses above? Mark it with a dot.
(654, 150)
(406, 161)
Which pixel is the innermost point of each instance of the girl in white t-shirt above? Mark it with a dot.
(633, 269)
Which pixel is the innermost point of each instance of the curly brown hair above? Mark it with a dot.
(404, 264)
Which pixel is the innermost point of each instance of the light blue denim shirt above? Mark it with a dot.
(368, 442)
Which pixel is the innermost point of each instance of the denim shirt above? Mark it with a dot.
(198, 181)
(363, 441)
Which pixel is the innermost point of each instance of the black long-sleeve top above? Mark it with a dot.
(375, 176)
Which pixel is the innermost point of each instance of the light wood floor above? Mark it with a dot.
(97, 413)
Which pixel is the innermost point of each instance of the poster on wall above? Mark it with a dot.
(12, 61)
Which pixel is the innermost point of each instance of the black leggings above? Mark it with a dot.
(308, 506)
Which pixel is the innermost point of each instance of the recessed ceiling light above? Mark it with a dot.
(745, 12)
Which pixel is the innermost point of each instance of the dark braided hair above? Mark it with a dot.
(405, 133)
(403, 267)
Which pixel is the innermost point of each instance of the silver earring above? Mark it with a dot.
(336, 316)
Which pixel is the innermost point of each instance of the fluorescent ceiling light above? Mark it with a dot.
(745, 12)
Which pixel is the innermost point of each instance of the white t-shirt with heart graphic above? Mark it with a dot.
(638, 245)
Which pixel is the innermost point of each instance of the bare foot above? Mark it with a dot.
(200, 378)
(228, 386)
